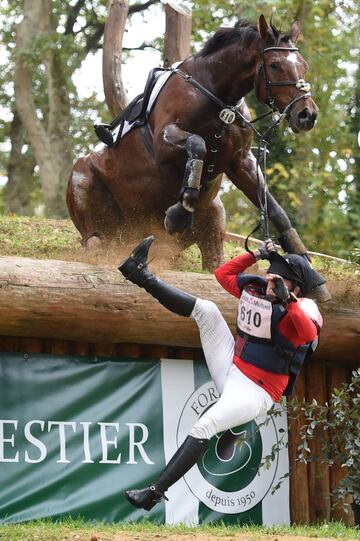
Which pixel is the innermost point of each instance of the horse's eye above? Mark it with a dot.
(274, 66)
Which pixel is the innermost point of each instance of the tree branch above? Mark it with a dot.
(73, 15)
(93, 41)
(144, 45)
(136, 8)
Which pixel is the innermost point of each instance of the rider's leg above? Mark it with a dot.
(181, 462)
(135, 269)
(241, 401)
(218, 345)
(216, 338)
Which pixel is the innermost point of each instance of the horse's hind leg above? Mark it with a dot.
(210, 225)
(91, 206)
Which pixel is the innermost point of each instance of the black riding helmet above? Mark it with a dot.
(296, 268)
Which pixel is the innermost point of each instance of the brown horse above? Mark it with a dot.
(199, 131)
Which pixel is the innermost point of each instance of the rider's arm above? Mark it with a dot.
(227, 274)
(301, 324)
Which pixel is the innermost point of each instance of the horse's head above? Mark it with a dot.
(280, 77)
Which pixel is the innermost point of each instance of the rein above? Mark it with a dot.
(229, 113)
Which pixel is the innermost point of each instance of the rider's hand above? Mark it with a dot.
(280, 289)
(264, 250)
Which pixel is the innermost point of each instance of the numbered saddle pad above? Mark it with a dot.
(254, 316)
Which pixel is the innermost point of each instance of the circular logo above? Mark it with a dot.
(228, 477)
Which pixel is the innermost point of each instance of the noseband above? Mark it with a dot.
(300, 84)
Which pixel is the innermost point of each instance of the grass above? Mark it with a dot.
(41, 238)
(79, 530)
(37, 237)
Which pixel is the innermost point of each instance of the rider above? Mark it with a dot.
(276, 329)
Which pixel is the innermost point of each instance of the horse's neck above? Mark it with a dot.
(227, 76)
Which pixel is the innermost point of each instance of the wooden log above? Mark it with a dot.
(56, 347)
(299, 486)
(66, 300)
(128, 350)
(115, 95)
(318, 471)
(31, 345)
(105, 350)
(9, 344)
(177, 33)
(79, 348)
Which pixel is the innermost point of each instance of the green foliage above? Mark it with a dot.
(315, 175)
(341, 420)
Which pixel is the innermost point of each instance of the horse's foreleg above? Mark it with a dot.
(179, 217)
(243, 175)
(196, 150)
(289, 238)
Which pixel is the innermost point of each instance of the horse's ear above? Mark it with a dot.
(295, 31)
(264, 29)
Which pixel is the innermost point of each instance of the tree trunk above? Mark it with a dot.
(115, 95)
(75, 301)
(354, 198)
(49, 138)
(20, 184)
(177, 33)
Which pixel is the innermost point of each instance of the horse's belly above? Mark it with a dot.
(129, 172)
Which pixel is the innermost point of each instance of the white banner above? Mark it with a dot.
(228, 478)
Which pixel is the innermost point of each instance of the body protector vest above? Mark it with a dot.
(258, 324)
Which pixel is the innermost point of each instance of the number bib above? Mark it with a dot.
(254, 316)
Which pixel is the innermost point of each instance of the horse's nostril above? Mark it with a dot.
(304, 114)
(307, 116)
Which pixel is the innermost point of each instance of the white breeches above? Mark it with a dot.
(241, 400)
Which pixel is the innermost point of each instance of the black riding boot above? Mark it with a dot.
(184, 458)
(135, 269)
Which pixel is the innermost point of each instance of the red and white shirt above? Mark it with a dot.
(298, 325)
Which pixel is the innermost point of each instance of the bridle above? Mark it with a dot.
(261, 72)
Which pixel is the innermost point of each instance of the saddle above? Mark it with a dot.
(136, 113)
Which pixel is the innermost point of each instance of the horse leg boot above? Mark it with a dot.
(135, 269)
(180, 216)
(291, 242)
(185, 457)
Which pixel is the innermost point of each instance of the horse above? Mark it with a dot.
(199, 128)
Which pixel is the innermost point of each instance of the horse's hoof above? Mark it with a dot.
(93, 243)
(177, 219)
(321, 293)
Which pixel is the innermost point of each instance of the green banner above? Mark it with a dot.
(75, 432)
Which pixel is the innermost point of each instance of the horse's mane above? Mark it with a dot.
(243, 33)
